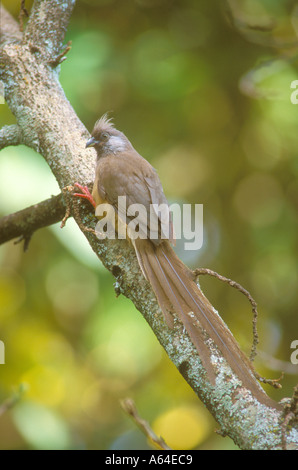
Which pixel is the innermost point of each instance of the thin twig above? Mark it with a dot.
(236, 285)
(23, 14)
(273, 382)
(129, 407)
(289, 416)
(60, 57)
(66, 191)
(202, 271)
(11, 401)
(26, 238)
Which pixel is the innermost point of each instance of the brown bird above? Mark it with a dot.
(121, 171)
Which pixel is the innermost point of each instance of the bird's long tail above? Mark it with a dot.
(176, 291)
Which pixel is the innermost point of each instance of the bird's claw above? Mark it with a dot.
(85, 194)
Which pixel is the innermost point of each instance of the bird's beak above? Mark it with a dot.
(91, 142)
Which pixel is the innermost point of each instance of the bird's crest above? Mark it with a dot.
(103, 124)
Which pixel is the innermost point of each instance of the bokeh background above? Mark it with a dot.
(203, 90)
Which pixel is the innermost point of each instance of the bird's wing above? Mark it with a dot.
(135, 179)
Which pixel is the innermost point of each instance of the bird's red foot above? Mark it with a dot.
(85, 194)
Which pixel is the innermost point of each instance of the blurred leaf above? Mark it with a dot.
(183, 427)
(41, 428)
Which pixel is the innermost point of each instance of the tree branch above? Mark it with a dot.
(10, 135)
(25, 222)
(48, 24)
(51, 127)
(10, 31)
(129, 407)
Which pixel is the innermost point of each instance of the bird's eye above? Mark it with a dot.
(104, 136)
